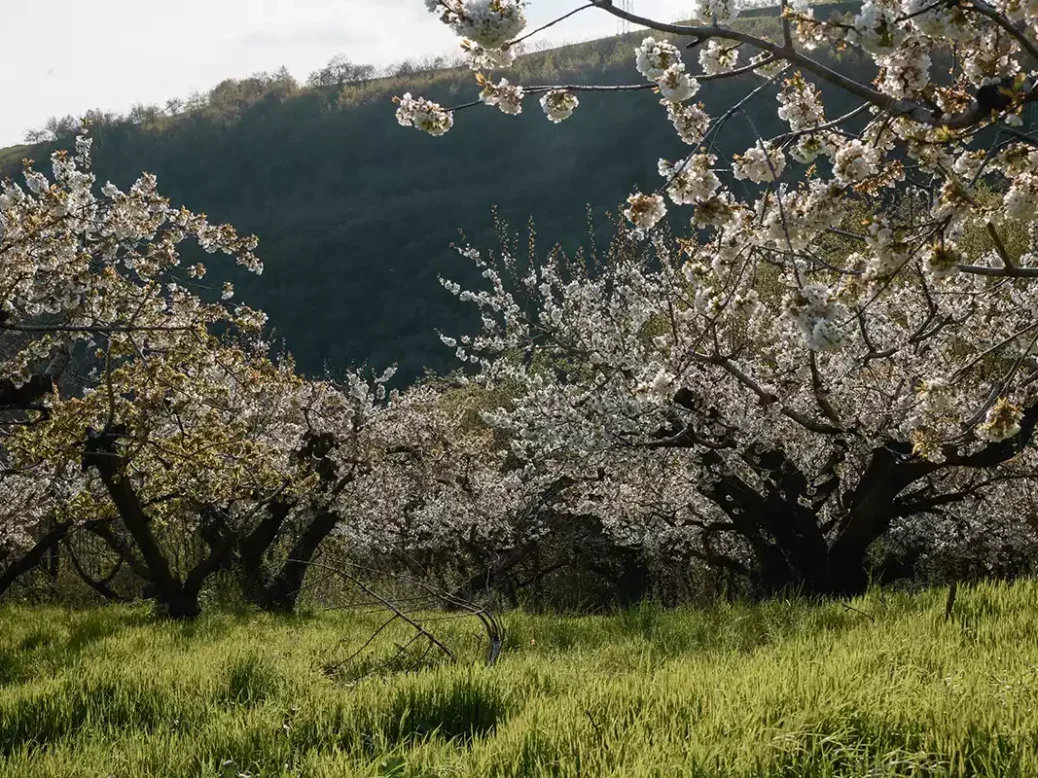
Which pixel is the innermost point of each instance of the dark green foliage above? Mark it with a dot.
(356, 214)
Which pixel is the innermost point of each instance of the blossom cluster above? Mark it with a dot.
(660, 62)
(507, 97)
(424, 115)
(559, 105)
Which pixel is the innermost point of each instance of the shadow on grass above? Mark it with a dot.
(457, 711)
(460, 712)
(251, 680)
(108, 706)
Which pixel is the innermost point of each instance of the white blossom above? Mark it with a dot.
(424, 115)
(644, 211)
(759, 164)
(507, 97)
(559, 104)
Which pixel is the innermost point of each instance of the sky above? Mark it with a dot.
(62, 57)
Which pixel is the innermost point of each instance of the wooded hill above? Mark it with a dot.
(356, 214)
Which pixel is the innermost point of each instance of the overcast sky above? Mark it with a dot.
(62, 57)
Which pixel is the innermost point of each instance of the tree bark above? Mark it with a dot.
(251, 551)
(34, 556)
(283, 592)
(786, 537)
(169, 591)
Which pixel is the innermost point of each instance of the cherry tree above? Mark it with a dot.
(714, 427)
(329, 436)
(141, 416)
(844, 340)
(446, 496)
(94, 280)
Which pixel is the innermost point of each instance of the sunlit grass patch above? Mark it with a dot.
(886, 687)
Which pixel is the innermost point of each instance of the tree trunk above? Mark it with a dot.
(179, 603)
(251, 551)
(283, 592)
(782, 527)
(34, 556)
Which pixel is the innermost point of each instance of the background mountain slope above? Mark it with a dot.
(356, 214)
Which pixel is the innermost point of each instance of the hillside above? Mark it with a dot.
(355, 214)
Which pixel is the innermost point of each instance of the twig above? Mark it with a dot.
(389, 605)
(552, 23)
(368, 642)
(598, 729)
(869, 616)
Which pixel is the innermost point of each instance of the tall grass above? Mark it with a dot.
(779, 689)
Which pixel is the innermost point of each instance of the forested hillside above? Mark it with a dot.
(356, 214)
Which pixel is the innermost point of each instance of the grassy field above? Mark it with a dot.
(779, 689)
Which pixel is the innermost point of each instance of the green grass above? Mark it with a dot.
(778, 689)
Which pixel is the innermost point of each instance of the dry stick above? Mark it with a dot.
(374, 595)
(869, 616)
(355, 654)
(598, 729)
(400, 649)
(495, 630)
(354, 606)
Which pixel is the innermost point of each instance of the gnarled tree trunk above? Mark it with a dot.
(794, 552)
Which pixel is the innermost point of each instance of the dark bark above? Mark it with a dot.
(99, 585)
(34, 556)
(103, 530)
(148, 560)
(492, 574)
(167, 587)
(283, 592)
(280, 592)
(180, 599)
(26, 396)
(218, 558)
(252, 549)
(785, 536)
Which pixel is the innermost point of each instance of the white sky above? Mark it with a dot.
(60, 57)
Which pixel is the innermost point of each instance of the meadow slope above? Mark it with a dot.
(779, 689)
